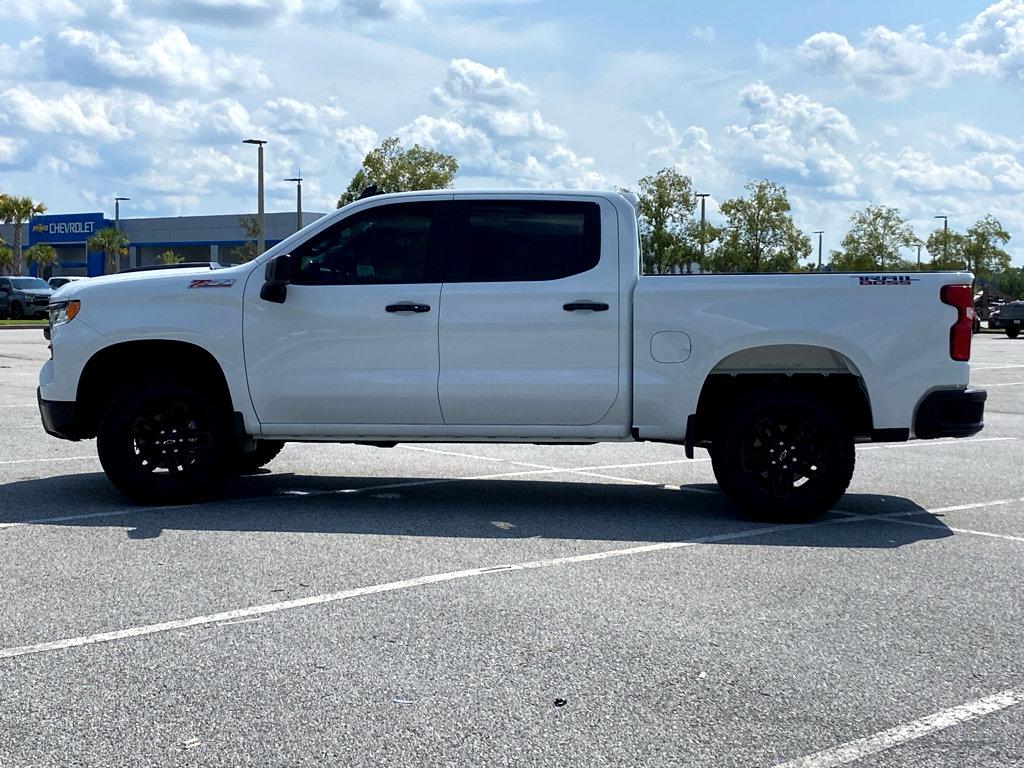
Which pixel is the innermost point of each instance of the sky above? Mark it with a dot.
(910, 104)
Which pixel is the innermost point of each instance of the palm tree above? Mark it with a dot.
(6, 257)
(16, 210)
(42, 255)
(113, 243)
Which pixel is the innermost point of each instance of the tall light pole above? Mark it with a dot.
(117, 225)
(919, 244)
(819, 233)
(703, 197)
(945, 239)
(259, 194)
(298, 201)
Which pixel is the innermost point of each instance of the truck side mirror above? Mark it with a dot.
(277, 275)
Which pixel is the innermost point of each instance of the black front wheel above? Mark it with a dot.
(1013, 333)
(163, 441)
(783, 456)
(17, 311)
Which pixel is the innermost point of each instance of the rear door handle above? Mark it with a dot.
(595, 306)
(408, 307)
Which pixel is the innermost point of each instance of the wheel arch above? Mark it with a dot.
(104, 374)
(817, 370)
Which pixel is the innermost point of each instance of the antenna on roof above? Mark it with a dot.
(369, 192)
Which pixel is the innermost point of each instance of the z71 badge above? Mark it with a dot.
(212, 283)
(885, 280)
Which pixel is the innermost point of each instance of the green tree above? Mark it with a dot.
(946, 249)
(6, 257)
(761, 234)
(1010, 282)
(250, 249)
(665, 209)
(979, 250)
(41, 255)
(113, 244)
(170, 257)
(394, 169)
(876, 235)
(983, 247)
(16, 210)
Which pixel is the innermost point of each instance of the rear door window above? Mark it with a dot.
(535, 240)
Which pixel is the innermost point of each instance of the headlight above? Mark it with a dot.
(62, 312)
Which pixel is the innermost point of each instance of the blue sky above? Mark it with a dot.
(912, 104)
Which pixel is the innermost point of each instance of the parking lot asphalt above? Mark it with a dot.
(464, 604)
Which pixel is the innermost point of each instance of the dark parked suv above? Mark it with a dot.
(23, 297)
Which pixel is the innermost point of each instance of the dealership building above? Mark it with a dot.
(195, 238)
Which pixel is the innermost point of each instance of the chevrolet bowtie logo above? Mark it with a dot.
(39, 228)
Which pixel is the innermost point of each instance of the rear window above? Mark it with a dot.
(505, 241)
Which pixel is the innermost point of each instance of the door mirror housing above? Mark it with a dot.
(278, 275)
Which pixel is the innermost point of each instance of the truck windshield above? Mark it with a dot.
(23, 283)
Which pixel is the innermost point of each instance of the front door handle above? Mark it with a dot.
(408, 307)
(595, 306)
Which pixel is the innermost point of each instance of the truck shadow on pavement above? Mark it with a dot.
(465, 509)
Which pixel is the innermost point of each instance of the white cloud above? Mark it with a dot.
(40, 10)
(890, 63)
(149, 56)
(66, 114)
(490, 122)
(793, 138)
(11, 149)
(978, 139)
(706, 33)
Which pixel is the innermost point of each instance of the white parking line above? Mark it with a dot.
(389, 587)
(45, 459)
(20, 406)
(919, 444)
(994, 366)
(998, 384)
(914, 730)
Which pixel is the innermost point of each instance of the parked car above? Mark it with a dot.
(515, 317)
(60, 280)
(1009, 317)
(23, 297)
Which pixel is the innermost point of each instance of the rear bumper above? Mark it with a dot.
(951, 414)
(58, 418)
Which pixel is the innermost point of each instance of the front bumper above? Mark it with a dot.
(951, 414)
(58, 418)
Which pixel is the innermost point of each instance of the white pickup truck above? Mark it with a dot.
(503, 317)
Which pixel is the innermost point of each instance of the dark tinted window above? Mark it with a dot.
(529, 240)
(385, 244)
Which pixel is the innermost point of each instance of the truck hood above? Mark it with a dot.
(136, 283)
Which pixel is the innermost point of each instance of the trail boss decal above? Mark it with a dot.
(212, 283)
(885, 280)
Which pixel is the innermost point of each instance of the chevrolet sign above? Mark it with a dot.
(65, 228)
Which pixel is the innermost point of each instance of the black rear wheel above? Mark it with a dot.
(163, 441)
(783, 456)
(1013, 333)
(251, 461)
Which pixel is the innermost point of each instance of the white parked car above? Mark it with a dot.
(504, 317)
(60, 280)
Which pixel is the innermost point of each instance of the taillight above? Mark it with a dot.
(961, 297)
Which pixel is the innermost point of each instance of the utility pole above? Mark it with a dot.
(117, 224)
(919, 254)
(298, 201)
(259, 194)
(945, 239)
(703, 197)
(819, 233)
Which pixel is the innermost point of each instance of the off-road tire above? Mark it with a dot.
(783, 456)
(164, 441)
(251, 461)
